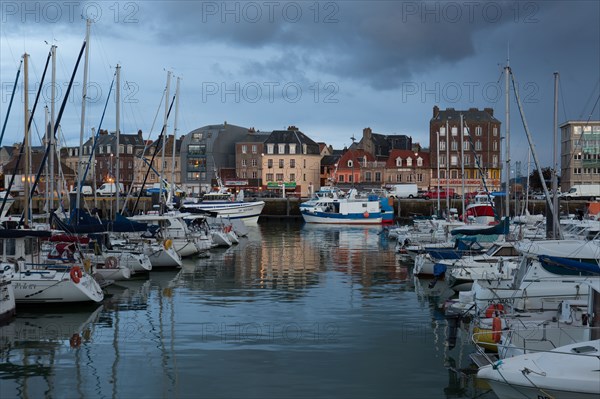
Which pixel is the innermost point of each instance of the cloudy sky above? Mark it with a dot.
(331, 68)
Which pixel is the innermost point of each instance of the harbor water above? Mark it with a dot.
(293, 311)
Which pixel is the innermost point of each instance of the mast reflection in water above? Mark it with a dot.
(293, 311)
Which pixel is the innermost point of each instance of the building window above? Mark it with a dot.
(281, 164)
(269, 176)
(253, 162)
(399, 178)
(292, 177)
(121, 148)
(197, 136)
(269, 163)
(409, 161)
(100, 150)
(244, 175)
(244, 149)
(341, 178)
(442, 146)
(281, 148)
(495, 145)
(467, 160)
(378, 176)
(420, 177)
(293, 163)
(255, 175)
(244, 163)
(478, 131)
(350, 178)
(577, 156)
(368, 176)
(453, 160)
(197, 149)
(409, 178)
(478, 145)
(466, 146)
(419, 161)
(465, 131)
(350, 164)
(454, 145)
(494, 161)
(270, 148)
(576, 171)
(279, 177)
(254, 149)
(495, 130)
(292, 148)
(398, 162)
(442, 160)
(454, 131)
(454, 173)
(442, 174)
(442, 131)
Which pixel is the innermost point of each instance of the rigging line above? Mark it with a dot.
(56, 126)
(562, 98)
(8, 44)
(12, 97)
(22, 149)
(587, 102)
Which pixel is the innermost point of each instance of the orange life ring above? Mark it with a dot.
(496, 329)
(366, 214)
(76, 274)
(493, 309)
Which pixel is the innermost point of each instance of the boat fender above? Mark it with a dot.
(75, 341)
(6, 268)
(76, 274)
(496, 329)
(366, 214)
(168, 243)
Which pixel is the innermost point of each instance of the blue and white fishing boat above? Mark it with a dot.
(347, 210)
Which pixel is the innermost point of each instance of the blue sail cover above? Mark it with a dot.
(560, 265)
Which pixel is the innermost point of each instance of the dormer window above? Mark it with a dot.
(292, 148)
(419, 161)
(270, 148)
(350, 164)
(398, 162)
(281, 149)
(409, 161)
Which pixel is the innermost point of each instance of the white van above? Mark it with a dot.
(108, 189)
(85, 190)
(408, 190)
(582, 192)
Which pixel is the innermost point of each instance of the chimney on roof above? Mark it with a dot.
(292, 127)
(473, 110)
(103, 132)
(489, 111)
(436, 111)
(449, 109)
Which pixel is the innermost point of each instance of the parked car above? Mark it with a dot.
(442, 194)
(85, 190)
(421, 194)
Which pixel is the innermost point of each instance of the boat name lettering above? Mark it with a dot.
(501, 300)
(24, 286)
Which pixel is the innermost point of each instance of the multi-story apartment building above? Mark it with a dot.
(206, 151)
(291, 159)
(480, 144)
(405, 166)
(248, 160)
(580, 153)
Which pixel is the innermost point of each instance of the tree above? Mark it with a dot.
(535, 183)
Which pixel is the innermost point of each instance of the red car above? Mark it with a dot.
(442, 194)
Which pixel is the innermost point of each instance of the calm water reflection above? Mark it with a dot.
(292, 311)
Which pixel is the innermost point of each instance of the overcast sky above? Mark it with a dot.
(330, 68)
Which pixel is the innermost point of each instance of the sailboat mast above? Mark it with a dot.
(447, 172)
(47, 133)
(555, 161)
(51, 142)
(118, 136)
(26, 140)
(88, 23)
(174, 139)
(462, 163)
(507, 137)
(164, 143)
(438, 172)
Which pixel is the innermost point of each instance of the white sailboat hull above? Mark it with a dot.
(50, 286)
(248, 212)
(7, 299)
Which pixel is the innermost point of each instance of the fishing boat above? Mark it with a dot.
(347, 210)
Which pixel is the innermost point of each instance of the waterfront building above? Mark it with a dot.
(579, 153)
(480, 142)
